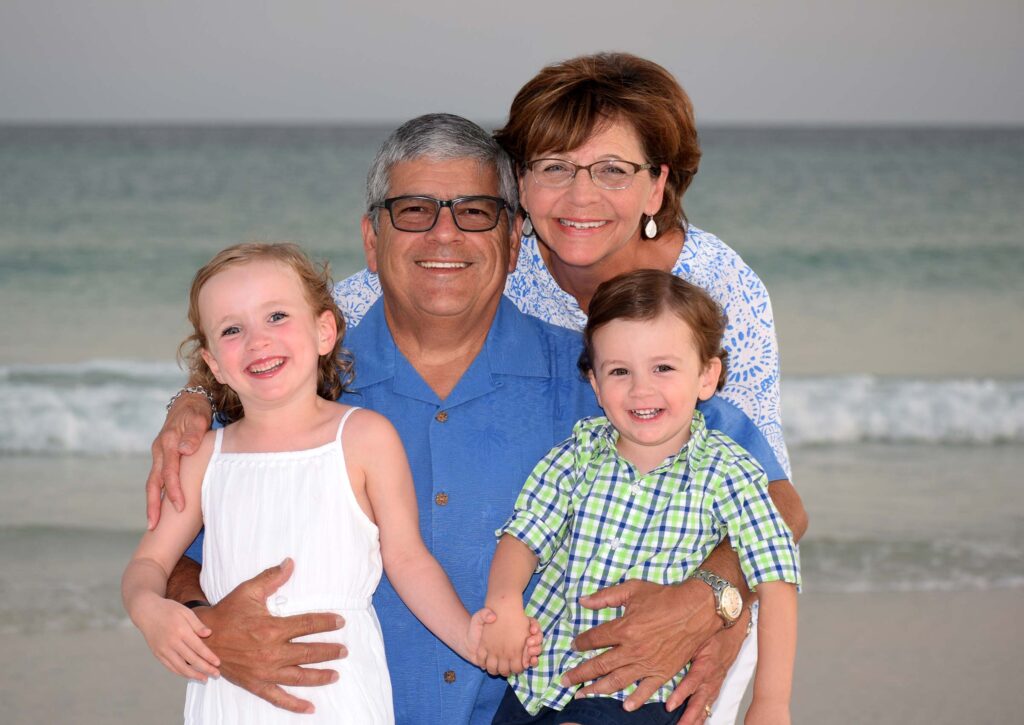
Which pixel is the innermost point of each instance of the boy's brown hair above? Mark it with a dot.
(643, 295)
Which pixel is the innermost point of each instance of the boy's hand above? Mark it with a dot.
(533, 645)
(173, 633)
(504, 648)
(764, 712)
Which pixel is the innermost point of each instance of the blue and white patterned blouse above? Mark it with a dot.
(706, 261)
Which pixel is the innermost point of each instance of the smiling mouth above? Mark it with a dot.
(581, 225)
(443, 265)
(645, 413)
(263, 367)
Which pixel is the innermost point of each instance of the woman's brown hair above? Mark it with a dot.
(643, 295)
(561, 107)
(335, 368)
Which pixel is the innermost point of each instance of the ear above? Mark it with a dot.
(657, 196)
(593, 384)
(709, 378)
(369, 243)
(327, 332)
(515, 234)
(211, 362)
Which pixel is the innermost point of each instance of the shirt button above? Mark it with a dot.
(449, 676)
(441, 499)
(636, 488)
(441, 417)
(613, 543)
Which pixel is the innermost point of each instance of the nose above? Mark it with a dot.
(445, 229)
(640, 385)
(256, 338)
(582, 190)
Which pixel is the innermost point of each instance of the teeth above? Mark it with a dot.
(266, 367)
(580, 225)
(443, 265)
(646, 412)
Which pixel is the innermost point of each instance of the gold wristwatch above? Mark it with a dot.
(728, 602)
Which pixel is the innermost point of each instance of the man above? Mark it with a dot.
(478, 392)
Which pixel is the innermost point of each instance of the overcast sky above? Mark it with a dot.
(800, 61)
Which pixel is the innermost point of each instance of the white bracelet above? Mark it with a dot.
(198, 390)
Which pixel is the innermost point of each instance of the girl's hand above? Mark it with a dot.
(476, 629)
(764, 712)
(504, 645)
(173, 632)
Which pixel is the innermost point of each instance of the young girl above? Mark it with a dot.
(294, 474)
(644, 493)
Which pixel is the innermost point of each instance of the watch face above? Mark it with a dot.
(732, 603)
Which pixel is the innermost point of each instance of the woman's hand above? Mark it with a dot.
(186, 424)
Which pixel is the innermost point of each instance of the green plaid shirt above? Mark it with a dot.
(593, 520)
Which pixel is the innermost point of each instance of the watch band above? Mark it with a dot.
(196, 603)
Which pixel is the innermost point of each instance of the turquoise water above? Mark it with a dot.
(894, 258)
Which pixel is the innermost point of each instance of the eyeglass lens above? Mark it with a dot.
(609, 174)
(418, 214)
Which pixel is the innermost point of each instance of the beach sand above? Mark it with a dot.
(916, 657)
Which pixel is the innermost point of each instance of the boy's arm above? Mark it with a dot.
(501, 646)
(776, 653)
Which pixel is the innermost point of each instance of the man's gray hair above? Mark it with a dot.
(439, 137)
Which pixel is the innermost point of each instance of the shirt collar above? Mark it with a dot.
(513, 347)
(605, 437)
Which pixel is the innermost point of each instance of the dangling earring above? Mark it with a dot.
(527, 227)
(651, 228)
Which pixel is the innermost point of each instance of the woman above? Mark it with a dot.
(630, 121)
(605, 147)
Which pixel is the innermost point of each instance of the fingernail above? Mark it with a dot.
(339, 622)
(628, 707)
(564, 682)
(334, 677)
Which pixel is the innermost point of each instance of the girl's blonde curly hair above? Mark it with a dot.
(335, 368)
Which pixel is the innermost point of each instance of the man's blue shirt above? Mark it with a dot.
(470, 455)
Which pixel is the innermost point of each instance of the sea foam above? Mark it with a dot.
(116, 407)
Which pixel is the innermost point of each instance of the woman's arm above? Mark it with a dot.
(186, 424)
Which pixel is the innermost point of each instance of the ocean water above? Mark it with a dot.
(894, 258)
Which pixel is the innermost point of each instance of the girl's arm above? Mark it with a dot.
(373, 448)
(171, 630)
(501, 645)
(776, 652)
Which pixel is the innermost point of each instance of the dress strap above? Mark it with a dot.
(341, 425)
(218, 439)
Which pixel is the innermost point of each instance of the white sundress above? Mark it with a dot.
(259, 508)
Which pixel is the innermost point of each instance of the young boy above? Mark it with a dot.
(644, 493)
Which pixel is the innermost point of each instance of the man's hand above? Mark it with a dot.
(186, 424)
(657, 635)
(710, 665)
(254, 647)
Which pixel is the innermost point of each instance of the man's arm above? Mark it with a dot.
(254, 647)
(663, 628)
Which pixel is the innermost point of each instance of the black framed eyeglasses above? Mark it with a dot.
(420, 213)
(612, 174)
